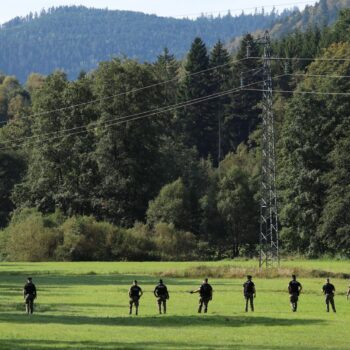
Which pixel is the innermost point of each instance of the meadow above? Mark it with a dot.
(85, 306)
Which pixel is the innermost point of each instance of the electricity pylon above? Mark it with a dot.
(269, 235)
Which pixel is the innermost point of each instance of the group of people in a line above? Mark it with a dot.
(205, 292)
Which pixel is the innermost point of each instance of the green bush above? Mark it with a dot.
(29, 239)
(32, 236)
(169, 206)
(172, 244)
(84, 239)
(139, 244)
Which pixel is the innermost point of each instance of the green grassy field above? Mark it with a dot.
(85, 306)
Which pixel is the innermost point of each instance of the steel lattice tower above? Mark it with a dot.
(269, 250)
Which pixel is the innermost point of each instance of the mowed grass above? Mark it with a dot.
(85, 306)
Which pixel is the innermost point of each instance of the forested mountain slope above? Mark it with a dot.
(89, 171)
(77, 38)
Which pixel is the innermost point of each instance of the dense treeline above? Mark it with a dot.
(77, 38)
(107, 180)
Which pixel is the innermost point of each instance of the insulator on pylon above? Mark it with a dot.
(242, 80)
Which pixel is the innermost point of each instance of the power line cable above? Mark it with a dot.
(127, 92)
(307, 75)
(178, 105)
(132, 117)
(328, 93)
(170, 81)
(304, 59)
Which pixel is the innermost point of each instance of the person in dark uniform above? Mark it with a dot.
(135, 293)
(249, 293)
(205, 295)
(329, 291)
(29, 294)
(162, 295)
(294, 290)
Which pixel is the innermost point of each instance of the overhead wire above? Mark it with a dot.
(152, 85)
(328, 93)
(274, 58)
(132, 117)
(160, 110)
(137, 90)
(78, 105)
(307, 75)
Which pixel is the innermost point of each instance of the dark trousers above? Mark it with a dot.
(161, 301)
(294, 297)
(134, 301)
(249, 299)
(330, 300)
(29, 300)
(203, 301)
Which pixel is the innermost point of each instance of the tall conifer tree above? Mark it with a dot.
(197, 125)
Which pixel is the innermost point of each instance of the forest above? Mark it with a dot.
(77, 38)
(161, 161)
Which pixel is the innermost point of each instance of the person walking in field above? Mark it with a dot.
(294, 290)
(135, 293)
(29, 295)
(162, 295)
(348, 294)
(249, 293)
(329, 291)
(205, 295)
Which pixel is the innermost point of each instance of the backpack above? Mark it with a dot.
(134, 291)
(205, 290)
(294, 286)
(249, 287)
(161, 290)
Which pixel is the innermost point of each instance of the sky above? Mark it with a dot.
(177, 8)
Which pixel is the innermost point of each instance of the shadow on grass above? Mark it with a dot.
(48, 282)
(157, 321)
(61, 307)
(27, 344)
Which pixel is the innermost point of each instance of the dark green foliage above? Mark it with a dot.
(335, 221)
(12, 167)
(220, 80)
(76, 38)
(196, 122)
(173, 244)
(170, 206)
(85, 239)
(239, 210)
(312, 128)
(62, 172)
(242, 115)
(127, 154)
(13, 98)
(340, 31)
(117, 180)
(32, 236)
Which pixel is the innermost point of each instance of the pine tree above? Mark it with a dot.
(220, 82)
(166, 69)
(197, 125)
(242, 116)
(313, 125)
(335, 221)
